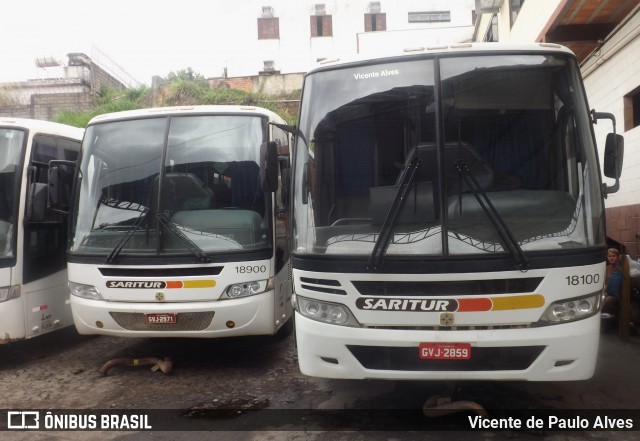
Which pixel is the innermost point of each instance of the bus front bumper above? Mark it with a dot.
(252, 315)
(553, 353)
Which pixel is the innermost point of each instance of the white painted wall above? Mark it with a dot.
(608, 77)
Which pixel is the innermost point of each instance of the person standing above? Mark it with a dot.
(613, 284)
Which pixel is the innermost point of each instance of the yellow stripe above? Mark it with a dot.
(517, 302)
(199, 283)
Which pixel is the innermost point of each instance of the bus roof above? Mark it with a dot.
(185, 110)
(469, 48)
(37, 125)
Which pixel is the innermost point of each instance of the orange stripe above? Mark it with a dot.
(174, 284)
(518, 302)
(470, 305)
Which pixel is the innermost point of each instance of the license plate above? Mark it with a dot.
(445, 351)
(160, 319)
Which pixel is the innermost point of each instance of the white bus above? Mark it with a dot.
(34, 298)
(177, 226)
(448, 216)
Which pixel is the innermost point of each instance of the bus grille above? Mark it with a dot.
(186, 321)
(482, 359)
(447, 288)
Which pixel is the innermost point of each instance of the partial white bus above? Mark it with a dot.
(448, 216)
(34, 298)
(177, 226)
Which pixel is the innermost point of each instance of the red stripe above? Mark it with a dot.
(470, 305)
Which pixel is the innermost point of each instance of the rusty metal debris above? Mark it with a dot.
(443, 404)
(438, 406)
(163, 364)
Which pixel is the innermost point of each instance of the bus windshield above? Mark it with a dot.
(171, 185)
(11, 145)
(501, 145)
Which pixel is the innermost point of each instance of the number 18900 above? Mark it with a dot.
(248, 269)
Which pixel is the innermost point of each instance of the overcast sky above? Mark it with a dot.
(144, 37)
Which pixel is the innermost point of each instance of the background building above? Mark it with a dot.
(274, 42)
(62, 85)
(279, 40)
(292, 35)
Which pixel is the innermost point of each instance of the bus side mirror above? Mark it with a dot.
(613, 152)
(37, 203)
(269, 167)
(305, 184)
(36, 198)
(60, 185)
(285, 178)
(613, 155)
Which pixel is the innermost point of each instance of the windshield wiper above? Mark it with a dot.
(127, 235)
(508, 241)
(386, 230)
(189, 244)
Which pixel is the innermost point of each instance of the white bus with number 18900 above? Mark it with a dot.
(177, 224)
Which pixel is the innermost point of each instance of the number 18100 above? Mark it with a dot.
(588, 279)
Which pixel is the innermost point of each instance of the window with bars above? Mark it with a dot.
(321, 26)
(375, 22)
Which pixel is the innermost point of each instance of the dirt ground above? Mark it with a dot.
(62, 371)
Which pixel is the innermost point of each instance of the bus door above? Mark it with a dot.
(44, 275)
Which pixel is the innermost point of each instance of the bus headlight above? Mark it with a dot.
(85, 291)
(9, 292)
(325, 312)
(572, 309)
(246, 289)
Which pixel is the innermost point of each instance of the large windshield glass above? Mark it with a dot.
(171, 185)
(506, 160)
(11, 144)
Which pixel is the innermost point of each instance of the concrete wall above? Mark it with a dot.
(47, 107)
(271, 84)
(101, 78)
(16, 110)
(21, 93)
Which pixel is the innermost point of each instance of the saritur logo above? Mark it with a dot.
(417, 305)
(141, 284)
